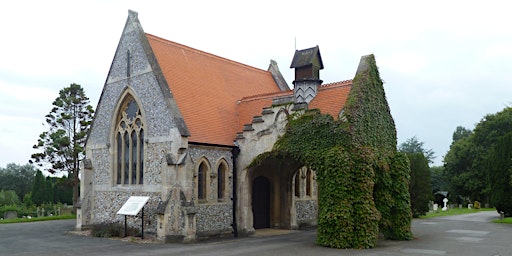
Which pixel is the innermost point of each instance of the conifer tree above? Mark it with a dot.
(39, 190)
(62, 145)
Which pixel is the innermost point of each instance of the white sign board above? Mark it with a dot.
(133, 205)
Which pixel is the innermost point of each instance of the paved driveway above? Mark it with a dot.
(468, 235)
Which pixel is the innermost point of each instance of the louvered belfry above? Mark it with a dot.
(307, 64)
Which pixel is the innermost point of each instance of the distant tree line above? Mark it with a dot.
(24, 184)
(478, 166)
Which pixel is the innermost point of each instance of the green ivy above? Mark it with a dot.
(362, 180)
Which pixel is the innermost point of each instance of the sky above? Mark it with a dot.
(444, 63)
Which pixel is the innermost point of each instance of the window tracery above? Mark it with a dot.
(129, 167)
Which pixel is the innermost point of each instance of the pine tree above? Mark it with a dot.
(63, 144)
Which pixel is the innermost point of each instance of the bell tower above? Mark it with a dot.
(307, 64)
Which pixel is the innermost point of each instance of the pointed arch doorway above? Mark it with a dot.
(261, 202)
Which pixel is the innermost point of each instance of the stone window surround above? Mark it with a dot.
(222, 163)
(211, 176)
(306, 178)
(126, 96)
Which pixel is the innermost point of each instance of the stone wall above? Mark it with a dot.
(213, 216)
(307, 212)
(107, 204)
(214, 219)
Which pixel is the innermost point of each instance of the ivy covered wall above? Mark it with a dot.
(362, 180)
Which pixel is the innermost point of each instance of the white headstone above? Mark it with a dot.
(445, 200)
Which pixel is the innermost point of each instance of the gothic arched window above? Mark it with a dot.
(202, 173)
(221, 180)
(297, 183)
(129, 168)
(309, 180)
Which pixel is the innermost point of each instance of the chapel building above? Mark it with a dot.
(183, 127)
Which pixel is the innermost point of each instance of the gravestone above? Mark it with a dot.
(445, 201)
(10, 215)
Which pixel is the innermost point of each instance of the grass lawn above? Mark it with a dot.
(455, 211)
(18, 220)
(507, 220)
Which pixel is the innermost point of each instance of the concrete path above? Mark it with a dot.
(468, 235)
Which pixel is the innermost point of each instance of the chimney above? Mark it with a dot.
(307, 64)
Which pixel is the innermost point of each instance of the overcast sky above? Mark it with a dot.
(444, 63)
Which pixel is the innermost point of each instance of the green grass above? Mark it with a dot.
(18, 220)
(455, 211)
(504, 221)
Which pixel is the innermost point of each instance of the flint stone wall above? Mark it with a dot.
(307, 212)
(107, 204)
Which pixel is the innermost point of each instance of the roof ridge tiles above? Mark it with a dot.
(166, 41)
(265, 95)
(339, 83)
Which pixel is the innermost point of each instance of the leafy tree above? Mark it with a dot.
(18, 178)
(419, 186)
(438, 181)
(461, 133)
(467, 161)
(62, 145)
(413, 145)
(8, 197)
(463, 182)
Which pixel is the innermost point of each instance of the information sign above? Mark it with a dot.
(133, 205)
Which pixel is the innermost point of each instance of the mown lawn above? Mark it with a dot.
(18, 220)
(507, 220)
(454, 211)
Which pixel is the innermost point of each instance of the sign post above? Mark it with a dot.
(132, 207)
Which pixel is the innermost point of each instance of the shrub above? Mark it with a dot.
(476, 205)
(112, 230)
(8, 197)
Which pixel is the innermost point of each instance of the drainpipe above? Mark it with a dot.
(235, 151)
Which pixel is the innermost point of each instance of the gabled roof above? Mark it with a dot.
(306, 57)
(217, 96)
(207, 87)
(331, 98)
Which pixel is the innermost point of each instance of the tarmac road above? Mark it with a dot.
(468, 235)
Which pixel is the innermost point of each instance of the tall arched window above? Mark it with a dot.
(309, 180)
(129, 166)
(221, 180)
(202, 172)
(297, 183)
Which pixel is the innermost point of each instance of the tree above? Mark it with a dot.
(8, 197)
(463, 182)
(500, 172)
(62, 145)
(18, 178)
(467, 161)
(40, 190)
(460, 133)
(413, 145)
(438, 181)
(419, 186)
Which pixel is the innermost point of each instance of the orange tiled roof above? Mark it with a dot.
(251, 106)
(331, 97)
(330, 100)
(207, 87)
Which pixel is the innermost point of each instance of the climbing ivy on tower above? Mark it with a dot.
(371, 124)
(362, 180)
